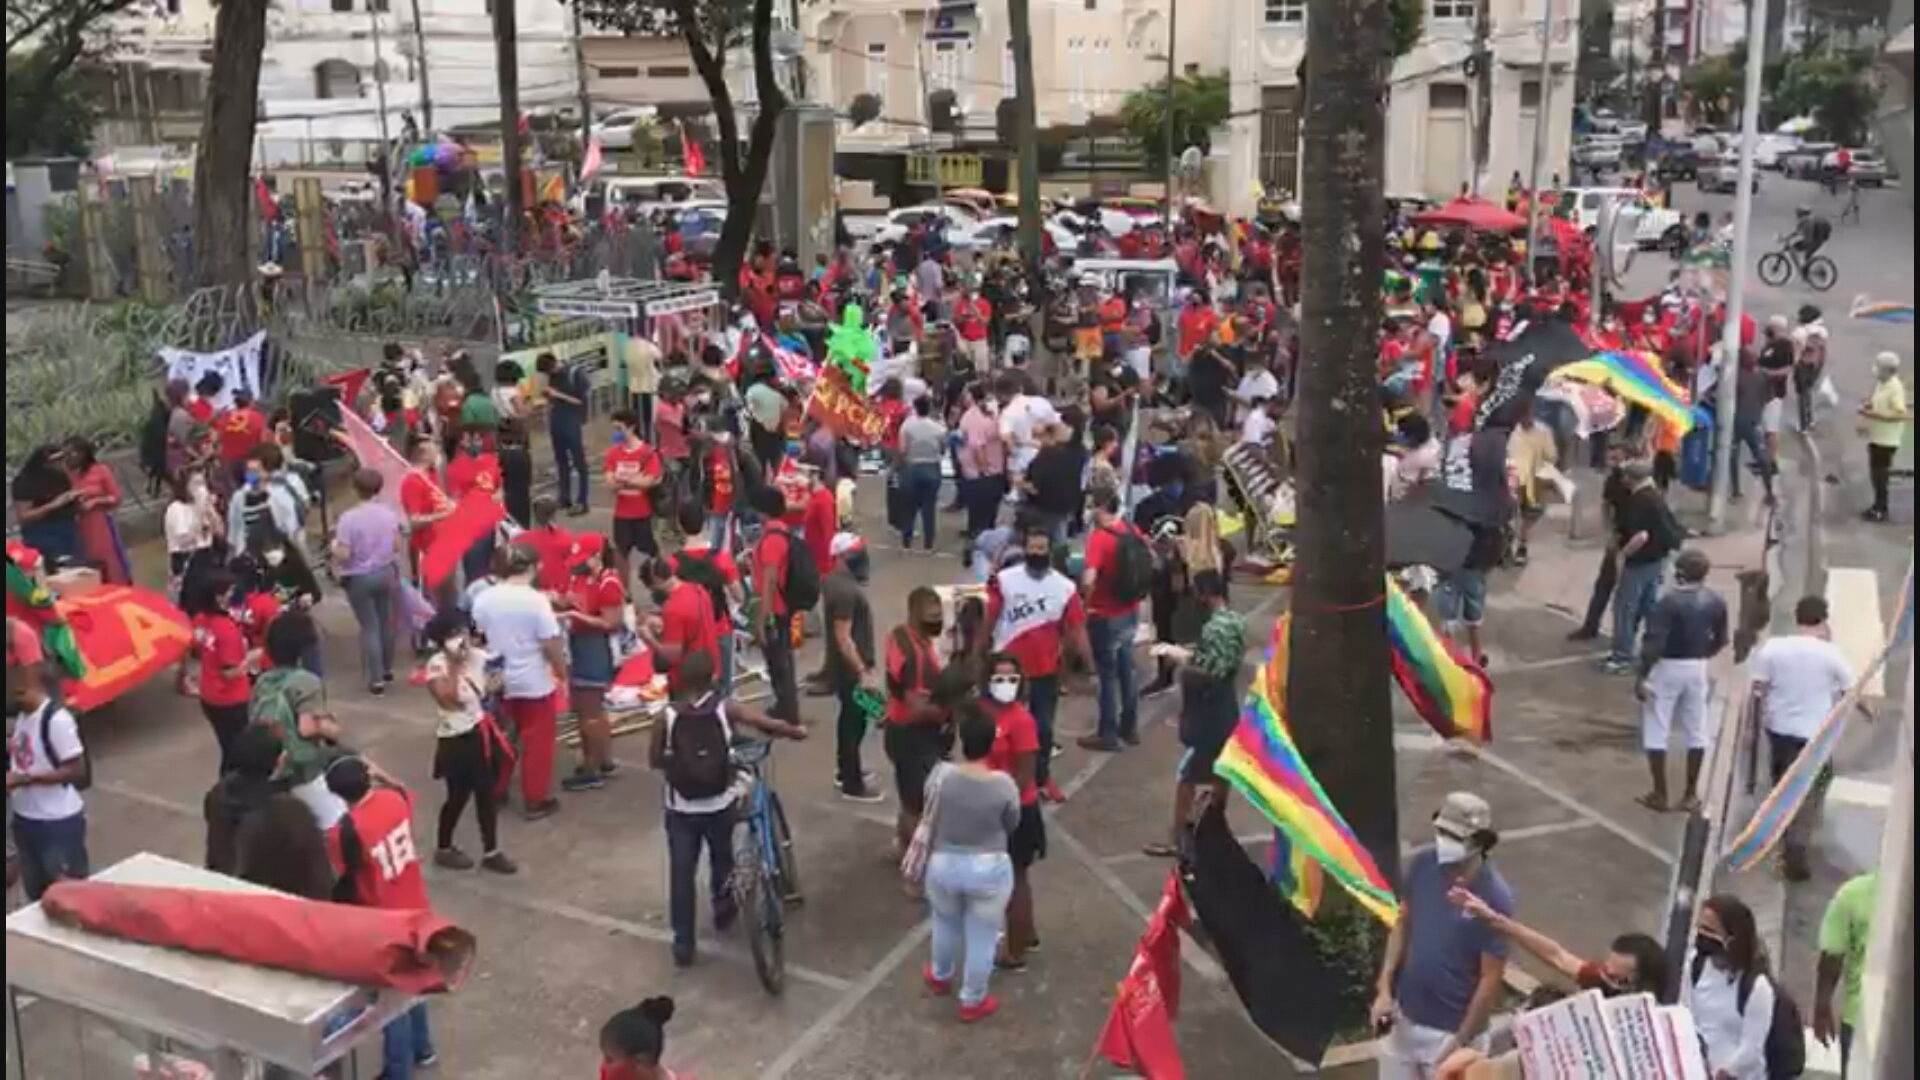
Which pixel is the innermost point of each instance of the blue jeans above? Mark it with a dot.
(372, 597)
(967, 892)
(1112, 641)
(1750, 436)
(922, 500)
(1633, 598)
(686, 833)
(50, 851)
(1043, 701)
(569, 459)
(717, 528)
(404, 1043)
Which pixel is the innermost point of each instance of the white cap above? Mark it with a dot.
(1887, 361)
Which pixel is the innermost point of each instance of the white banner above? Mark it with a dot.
(238, 367)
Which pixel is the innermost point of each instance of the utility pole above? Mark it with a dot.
(1025, 151)
(386, 140)
(1542, 109)
(580, 82)
(1337, 699)
(1173, 17)
(506, 61)
(1482, 91)
(1724, 395)
(426, 92)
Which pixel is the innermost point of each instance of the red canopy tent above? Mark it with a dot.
(1477, 214)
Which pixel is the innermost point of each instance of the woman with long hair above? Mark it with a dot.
(1016, 752)
(100, 496)
(221, 647)
(1730, 991)
(46, 504)
(462, 757)
(595, 604)
(975, 811)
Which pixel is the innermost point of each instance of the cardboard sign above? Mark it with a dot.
(843, 412)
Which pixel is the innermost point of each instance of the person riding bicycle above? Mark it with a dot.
(1810, 232)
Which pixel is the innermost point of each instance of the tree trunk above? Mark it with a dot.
(1026, 142)
(223, 162)
(744, 177)
(1338, 699)
(506, 61)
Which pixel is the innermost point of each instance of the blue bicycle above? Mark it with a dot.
(766, 871)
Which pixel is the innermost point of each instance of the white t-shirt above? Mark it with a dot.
(1804, 676)
(187, 527)
(516, 619)
(467, 684)
(1017, 421)
(26, 754)
(1258, 428)
(1441, 328)
(1257, 385)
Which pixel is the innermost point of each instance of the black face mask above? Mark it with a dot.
(932, 627)
(1038, 565)
(1708, 946)
(659, 596)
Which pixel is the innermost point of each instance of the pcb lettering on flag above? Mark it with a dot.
(840, 410)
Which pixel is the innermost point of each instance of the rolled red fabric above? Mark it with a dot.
(415, 951)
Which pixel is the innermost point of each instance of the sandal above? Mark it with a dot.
(1648, 800)
(1689, 804)
(1161, 850)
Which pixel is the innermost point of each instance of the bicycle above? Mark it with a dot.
(1777, 267)
(766, 870)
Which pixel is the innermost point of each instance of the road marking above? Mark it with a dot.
(1597, 817)
(1542, 665)
(1127, 857)
(804, 1046)
(1192, 954)
(114, 787)
(1853, 596)
(1868, 793)
(1508, 836)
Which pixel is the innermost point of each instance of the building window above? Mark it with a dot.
(669, 71)
(336, 79)
(1530, 94)
(1446, 96)
(1093, 5)
(343, 5)
(1280, 137)
(1285, 12)
(617, 72)
(1454, 10)
(377, 5)
(877, 69)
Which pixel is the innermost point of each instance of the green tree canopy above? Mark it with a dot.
(1200, 104)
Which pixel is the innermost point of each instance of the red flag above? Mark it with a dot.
(1139, 1030)
(350, 384)
(269, 209)
(693, 161)
(376, 453)
(591, 163)
(415, 951)
(476, 515)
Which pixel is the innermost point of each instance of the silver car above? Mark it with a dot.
(1722, 175)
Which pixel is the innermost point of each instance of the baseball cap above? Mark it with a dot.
(1462, 813)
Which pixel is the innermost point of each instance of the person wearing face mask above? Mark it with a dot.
(683, 622)
(1797, 678)
(851, 662)
(475, 468)
(983, 461)
(425, 506)
(1037, 615)
(265, 500)
(633, 470)
(221, 648)
(1730, 991)
(1016, 751)
(191, 525)
(720, 481)
(1209, 699)
(1634, 964)
(469, 750)
(519, 624)
(1442, 972)
(592, 610)
(1685, 630)
(916, 736)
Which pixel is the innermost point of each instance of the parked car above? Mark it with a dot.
(1678, 163)
(1652, 226)
(961, 224)
(995, 229)
(1633, 132)
(1870, 169)
(1772, 146)
(1597, 152)
(1803, 162)
(1722, 175)
(615, 129)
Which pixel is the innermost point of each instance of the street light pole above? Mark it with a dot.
(1542, 108)
(1173, 17)
(1724, 390)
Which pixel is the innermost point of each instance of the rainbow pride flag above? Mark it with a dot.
(1261, 760)
(1881, 310)
(1637, 378)
(1446, 688)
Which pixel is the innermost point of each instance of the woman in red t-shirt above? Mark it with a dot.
(221, 647)
(594, 608)
(1016, 752)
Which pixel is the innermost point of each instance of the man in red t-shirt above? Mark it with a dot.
(238, 430)
(475, 468)
(912, 721)
(770, 561)
(685, 618)
(721, 474)
(1197, 323)
(553, 543)
(633, 470)
(1112, 618)
(221, 647)
(972, 315)
(700, 562)
(378, 864)
(421, 499)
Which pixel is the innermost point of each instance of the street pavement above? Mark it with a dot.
(581, 931)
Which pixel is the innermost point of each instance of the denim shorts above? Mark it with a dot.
(1462, 597)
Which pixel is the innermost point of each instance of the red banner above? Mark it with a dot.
(127, 634)
(473, 517)
(844, 412)
(1139, 1030)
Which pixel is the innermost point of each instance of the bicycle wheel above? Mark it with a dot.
(786, 860)
(1820, 272)
(759, 907)
(1775, 268)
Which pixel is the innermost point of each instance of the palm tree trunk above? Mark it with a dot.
(222, 164)
(506, 62)
(1339, 698)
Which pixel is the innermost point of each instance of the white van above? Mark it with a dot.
(1653, 226)
(650, 192)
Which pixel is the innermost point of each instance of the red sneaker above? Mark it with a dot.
(943, 987)
(987, 1007)
(1051, 792)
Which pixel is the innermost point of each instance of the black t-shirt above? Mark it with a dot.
(1613, 496)
(1777, 361)
(1207, 377)
(841, 597)
(1646, 512)
(1055, 476)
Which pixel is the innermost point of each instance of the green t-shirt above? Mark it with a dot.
(1843, 933)
(479, 411)
(280, 695)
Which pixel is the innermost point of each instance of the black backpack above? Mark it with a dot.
(85, 779)
(1786, 1045)
(699, 568)
(153, 443)
(698, 761)
(1132, 566)
(802, 589)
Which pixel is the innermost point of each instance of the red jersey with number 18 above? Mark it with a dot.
(388, 873)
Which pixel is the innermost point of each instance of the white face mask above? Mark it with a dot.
(275, 558)
(1449, 849)
(456, 644)
(1004, 692)
(197, 491)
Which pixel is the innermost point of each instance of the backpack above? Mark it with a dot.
(698, 763)
(1132, 566)
(299, 500)
(85, 779)
(802, 589)
(1786, 1044)
(153, 443)
(699, 568)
